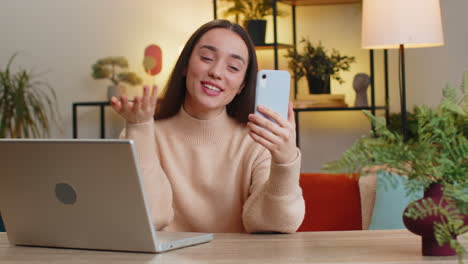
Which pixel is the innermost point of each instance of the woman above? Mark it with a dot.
(207, 164)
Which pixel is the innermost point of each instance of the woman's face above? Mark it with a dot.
(215, 72)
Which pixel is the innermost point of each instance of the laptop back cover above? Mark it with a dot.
(74, 194)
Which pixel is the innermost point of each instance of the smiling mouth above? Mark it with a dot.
(211, 87)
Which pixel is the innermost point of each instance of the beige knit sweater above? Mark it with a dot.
(210, 176)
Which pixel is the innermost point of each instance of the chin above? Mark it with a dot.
(213, 107)
(210, 103)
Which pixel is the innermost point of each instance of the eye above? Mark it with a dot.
(233, 68)
(206, 58)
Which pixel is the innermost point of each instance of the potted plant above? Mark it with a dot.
(394, 123)
(252, 13)
(435, 160)
(27, 105)
(114, 69)
(318, 66)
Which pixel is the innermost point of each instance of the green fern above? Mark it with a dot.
(439, 153)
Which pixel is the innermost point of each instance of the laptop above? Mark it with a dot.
(84, 194)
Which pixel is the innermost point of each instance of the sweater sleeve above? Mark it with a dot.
(275, 202)
(158, 191)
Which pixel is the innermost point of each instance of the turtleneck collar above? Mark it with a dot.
(200, 131)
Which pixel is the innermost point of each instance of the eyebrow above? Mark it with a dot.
(212, 48)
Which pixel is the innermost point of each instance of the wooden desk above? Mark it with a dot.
(384, 246)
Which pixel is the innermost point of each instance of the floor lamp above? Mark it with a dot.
(391, 24)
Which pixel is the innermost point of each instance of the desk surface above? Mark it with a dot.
(384, 246)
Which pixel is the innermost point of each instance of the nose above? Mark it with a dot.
(215, 71)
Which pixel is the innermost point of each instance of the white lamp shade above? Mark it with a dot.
(388, 23)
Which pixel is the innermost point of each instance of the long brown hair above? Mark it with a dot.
(174, 95)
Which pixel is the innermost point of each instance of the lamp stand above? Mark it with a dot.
(403, 93)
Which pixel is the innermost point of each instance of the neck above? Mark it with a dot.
(203, 131)
(202, 114)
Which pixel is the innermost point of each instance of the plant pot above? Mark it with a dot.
(425, 227)
(257, 30)
(317, 85)
(115, 90)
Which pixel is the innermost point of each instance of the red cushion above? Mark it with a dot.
(332, 202)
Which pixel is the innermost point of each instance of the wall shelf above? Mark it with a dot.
(297, 3)
(312, 109)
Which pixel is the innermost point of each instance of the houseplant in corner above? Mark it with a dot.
(252, 13)
(436, 160)
(115, 69)
(318, 66)
(28, 105)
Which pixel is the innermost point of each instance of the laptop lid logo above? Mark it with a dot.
(65, 193)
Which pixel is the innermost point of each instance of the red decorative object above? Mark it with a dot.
(153, 59)
(425, 227)
(332, 202)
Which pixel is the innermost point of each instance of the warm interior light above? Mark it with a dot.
(388, 23)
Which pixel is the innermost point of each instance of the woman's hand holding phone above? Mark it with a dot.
(141, 110)
(279, 138)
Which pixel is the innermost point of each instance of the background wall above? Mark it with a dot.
(62, 39)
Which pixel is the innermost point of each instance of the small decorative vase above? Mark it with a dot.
(115, 90)
(425, 227)
(317, 85)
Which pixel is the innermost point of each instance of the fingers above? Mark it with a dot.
(291, 114)
(137, 102)
(140, 110)
(126, 105)
(273, 115)
(278, 138)
(154, 93)
(274, 137)
(145, 102)
(264, 124)
(149, 101)
(267, 144)
(261, 131)
(115, 104)
(281, 145)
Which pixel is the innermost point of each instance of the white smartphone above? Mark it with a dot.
(272, 91)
